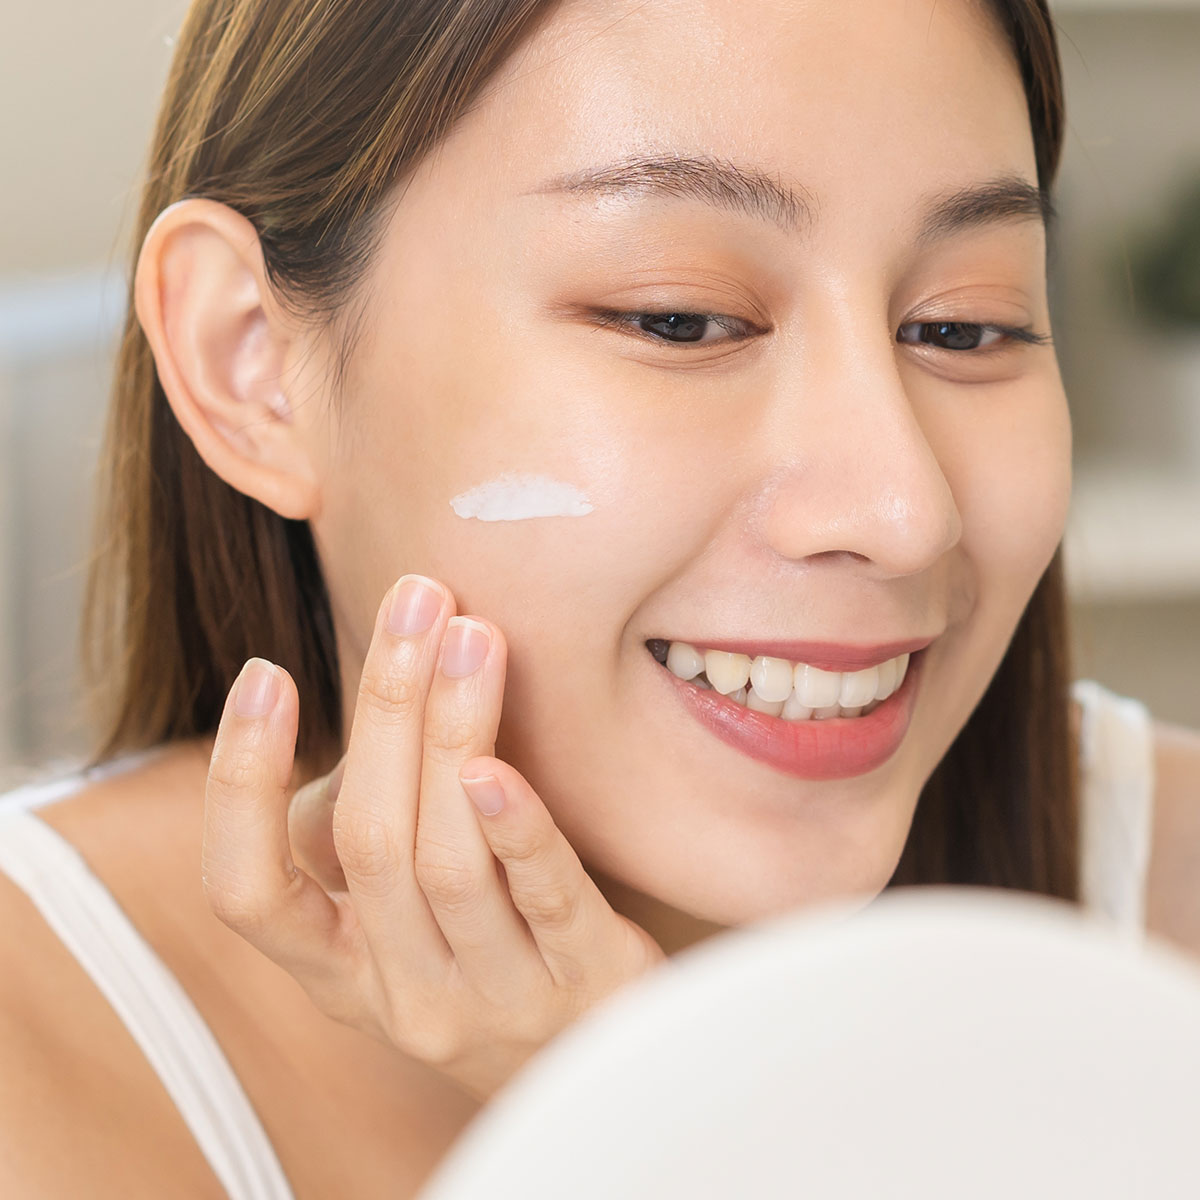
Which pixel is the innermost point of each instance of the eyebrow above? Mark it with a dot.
(1003, 199)
(745, 189)
(711, 180)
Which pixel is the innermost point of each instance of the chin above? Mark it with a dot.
(747, 901)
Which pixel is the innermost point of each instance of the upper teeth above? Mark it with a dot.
(787, 688)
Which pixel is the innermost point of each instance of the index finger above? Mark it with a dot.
(249, 877)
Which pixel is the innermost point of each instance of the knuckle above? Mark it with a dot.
(449, 882)
(426, 1039)
(234, 770)
(525, 852)
(552, 907)
(391, 692)
(365, 845)
(537, 891)
(237, 906)
(449, 734)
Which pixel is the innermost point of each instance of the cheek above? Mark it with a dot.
(1011, 477)
(580, 463)
(537, 514)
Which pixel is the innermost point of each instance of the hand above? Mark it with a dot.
(466, 941)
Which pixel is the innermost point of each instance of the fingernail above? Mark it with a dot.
(465, 647)
(257, 689)
(486, 794)
(415, 605)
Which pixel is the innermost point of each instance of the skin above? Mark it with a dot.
(818, 479)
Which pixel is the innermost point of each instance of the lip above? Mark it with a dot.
(825, 656)
(837, 748)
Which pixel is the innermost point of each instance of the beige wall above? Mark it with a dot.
(78, 87)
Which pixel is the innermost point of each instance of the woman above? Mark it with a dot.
(699, 356)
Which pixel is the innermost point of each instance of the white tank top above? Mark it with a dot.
(1118, 787)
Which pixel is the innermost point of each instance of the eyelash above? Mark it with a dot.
(614, 318)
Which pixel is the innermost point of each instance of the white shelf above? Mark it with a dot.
(57, 337)
(45, 318)
(1133, 535)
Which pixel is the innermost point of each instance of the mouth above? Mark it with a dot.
(798, 716)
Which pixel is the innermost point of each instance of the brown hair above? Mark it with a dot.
(303, 117)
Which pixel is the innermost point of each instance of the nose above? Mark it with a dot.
(853, 472)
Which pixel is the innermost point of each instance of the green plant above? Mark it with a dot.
(1164, 264)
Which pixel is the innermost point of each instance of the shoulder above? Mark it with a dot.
(1173, 883)
(81, 1111)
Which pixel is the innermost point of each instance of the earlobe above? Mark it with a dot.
(224, 349)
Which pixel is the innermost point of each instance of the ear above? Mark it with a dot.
(228, 355)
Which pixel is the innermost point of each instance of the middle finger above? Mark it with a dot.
(375, 814)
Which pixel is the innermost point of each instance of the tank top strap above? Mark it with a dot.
(147, 997)
(1117, 779)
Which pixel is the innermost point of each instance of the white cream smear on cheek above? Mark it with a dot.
(517, 497)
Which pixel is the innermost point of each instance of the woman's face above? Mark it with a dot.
(801, 467)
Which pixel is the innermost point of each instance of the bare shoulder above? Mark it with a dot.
(1173, 886)
(81, 1111)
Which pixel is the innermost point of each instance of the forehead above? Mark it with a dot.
(924, 93)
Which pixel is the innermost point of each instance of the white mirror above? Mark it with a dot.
(943, 1043)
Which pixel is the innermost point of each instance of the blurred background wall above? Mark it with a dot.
(78, 87)
(1129, 195)
(79, 83)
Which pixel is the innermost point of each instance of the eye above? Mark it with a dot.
(675, 327)
(966, 336)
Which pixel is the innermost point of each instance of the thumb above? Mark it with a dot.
(310, 828)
